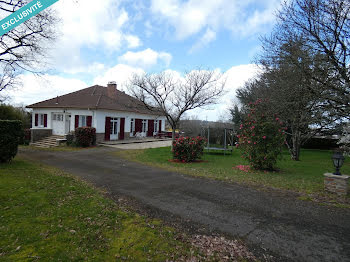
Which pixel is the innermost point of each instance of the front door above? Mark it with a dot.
(114, 129)
(58, 124)
(67, 125)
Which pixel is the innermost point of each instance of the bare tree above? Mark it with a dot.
(23, 48)
(173, 96)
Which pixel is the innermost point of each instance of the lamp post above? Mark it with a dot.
(338, 160)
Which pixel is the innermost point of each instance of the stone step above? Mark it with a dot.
(47, 142)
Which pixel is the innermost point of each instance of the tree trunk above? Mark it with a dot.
(296, 141)
(172, 138)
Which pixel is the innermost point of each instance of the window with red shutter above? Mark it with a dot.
(45, 120)
(122, 128)
(108, 129)
(89, 121)
(36, 119)
(76, 123)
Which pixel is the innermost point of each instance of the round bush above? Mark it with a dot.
(10, 133)
(187, 149)
(261, 138)
(85, 136)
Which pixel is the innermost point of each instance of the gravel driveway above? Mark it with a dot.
(291, 229)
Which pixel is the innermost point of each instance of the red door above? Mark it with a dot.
(108, 129)
(150, 128)
(122, 128)
(138, 125)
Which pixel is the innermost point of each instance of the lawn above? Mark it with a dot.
(50, 216)
(305, 176)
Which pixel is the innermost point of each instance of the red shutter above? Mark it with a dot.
(138, 125)
(108, 129)
(76, 124)
(45, 120)
(150, 128)
(122, 128)
(89, 121)
(36, 119)
(160, 125)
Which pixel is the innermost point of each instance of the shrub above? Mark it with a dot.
(70, 139)
(25, 137)
(10, 133)
(344, 141)
(261, 138)
(85, 136)
(187, 149)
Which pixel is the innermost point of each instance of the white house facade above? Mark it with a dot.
(115, 115)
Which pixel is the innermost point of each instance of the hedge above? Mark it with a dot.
(187, 149)
(10, 134)
(85, 136)
(321, 143)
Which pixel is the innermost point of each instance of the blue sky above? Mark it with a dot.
(112, 39)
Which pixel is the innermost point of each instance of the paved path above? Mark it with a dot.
(144, 145)
(295, 230)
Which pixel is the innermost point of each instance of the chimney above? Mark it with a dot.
(112, 89)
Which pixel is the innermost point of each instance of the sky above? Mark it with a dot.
(110, 40)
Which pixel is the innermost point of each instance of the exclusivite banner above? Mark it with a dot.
(23, 14)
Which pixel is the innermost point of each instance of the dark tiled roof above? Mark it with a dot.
(95, 97)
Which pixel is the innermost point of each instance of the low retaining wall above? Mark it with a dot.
(336, 184)
(37, 134)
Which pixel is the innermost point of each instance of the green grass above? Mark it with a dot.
(50, 216)
(305, 176)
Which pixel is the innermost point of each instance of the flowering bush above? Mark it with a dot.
(261, 138)
(242, 168)
(344, 141)
(187, 149)
(85, 136)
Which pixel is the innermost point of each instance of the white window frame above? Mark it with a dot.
(132, 125)
(144, 125)
(82, 120)
(41, 120)
(156, 126)
(115, 121)
(57, 117)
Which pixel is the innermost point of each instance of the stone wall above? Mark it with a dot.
(37, 134)
(100, 137)
(126, 135)
(336, 184)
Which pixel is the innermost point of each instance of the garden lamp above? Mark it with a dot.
(338, 160)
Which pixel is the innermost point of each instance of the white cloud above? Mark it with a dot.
(120, 73)
(191, 17)
(207, 38)
(36, 89)
(146, 58)
(235, 78)
(133, 41)
(102, 25)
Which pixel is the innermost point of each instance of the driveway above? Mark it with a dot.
(291, 229)
(143, 145)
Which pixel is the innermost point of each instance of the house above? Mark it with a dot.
(114, 114)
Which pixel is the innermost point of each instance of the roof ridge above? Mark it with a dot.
(98, 101)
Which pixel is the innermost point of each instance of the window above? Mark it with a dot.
(144, 125)
(114, 126)
(57, 117)
(82, 121)
(156, 125)
(41, 120)
(132, 125)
